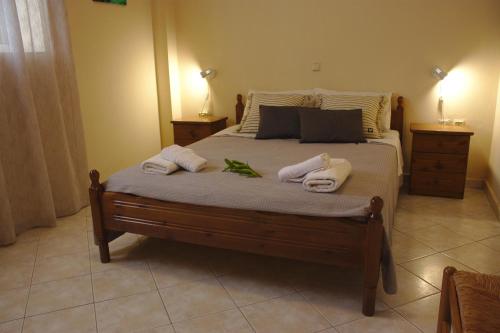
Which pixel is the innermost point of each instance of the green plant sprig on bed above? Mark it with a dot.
(241, 168)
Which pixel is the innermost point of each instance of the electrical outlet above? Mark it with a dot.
(316, 67)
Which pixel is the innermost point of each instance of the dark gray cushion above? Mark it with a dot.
(280, 122)
(341, 126)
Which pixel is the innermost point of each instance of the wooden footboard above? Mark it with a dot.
(334, 241)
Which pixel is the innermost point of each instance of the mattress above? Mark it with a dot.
(374, 173)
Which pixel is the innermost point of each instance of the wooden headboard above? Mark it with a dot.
(397, 114)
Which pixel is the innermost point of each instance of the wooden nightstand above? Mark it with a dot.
(439, 159)
(191, 129)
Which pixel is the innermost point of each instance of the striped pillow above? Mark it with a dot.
(372, 107)
(251, 119)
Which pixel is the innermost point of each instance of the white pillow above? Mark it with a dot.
(385, 119)
(251, 92)
(250, 122)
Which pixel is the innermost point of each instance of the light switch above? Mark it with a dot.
(316, 67)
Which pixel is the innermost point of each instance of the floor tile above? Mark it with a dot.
(75, 320)
(126, 280)
(477, 256)
(407, 221)
(16, 275)
(340, 302)
(160, 329)
(255, 286)
(195, 299)
(475, 229)
(410, 288)
(131, 313)
(431, 268)
(18, 252)
(388, 322)
(61, 267)
(289, 314)
(422, 313)
(493, 243)
(50, 235)
(174, 269)
(60, 294)
(13, 303)
(14, 326)
(405, 248)
(439, 238)
(31, 235)
(63, 246)
(227, 321)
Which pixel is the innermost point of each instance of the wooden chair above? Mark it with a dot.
(470, 302)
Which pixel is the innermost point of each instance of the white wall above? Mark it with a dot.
(115, 67)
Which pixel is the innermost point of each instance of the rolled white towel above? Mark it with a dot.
(184, 157)
(330, 179)
(296, 173)
(158, 166)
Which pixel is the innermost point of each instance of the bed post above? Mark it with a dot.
(95, 194)
(240, 107)
(373, 253)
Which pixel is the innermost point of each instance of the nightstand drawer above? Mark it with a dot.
(434, 162)
(438, 143)
(438, 183)
(191, 132)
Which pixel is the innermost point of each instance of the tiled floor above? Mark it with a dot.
(51, 280)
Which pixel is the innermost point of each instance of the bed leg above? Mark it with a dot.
(100, 234)
(373, 253)
(104, 252)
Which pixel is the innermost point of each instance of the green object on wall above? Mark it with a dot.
(116, 2)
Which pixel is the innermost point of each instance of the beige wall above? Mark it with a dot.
(161, 11)
(115, 66)
(361, 44)
(494, 176)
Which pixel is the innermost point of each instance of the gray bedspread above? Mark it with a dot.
(374, 173)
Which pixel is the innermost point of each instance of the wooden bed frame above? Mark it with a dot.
(335, 241)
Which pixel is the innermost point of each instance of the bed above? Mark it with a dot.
(350, 227)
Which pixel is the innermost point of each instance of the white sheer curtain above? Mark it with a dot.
(42, 153)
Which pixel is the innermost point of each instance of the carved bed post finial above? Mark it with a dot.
(400, 103)
(376, 205)
(239, 108)
(94, 178)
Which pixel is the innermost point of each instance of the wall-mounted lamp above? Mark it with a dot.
(207, 74)
(439, 73)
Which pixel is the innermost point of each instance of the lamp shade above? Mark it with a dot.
(439, 73)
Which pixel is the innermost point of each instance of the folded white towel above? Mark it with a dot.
(296, 173)
(158, 166)
(330, 179)
(184, 157)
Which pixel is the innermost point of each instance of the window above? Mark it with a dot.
(4, 42)
(30, 23)
(29, 15)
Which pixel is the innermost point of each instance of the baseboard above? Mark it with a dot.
(493, 199)
(474, 183)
